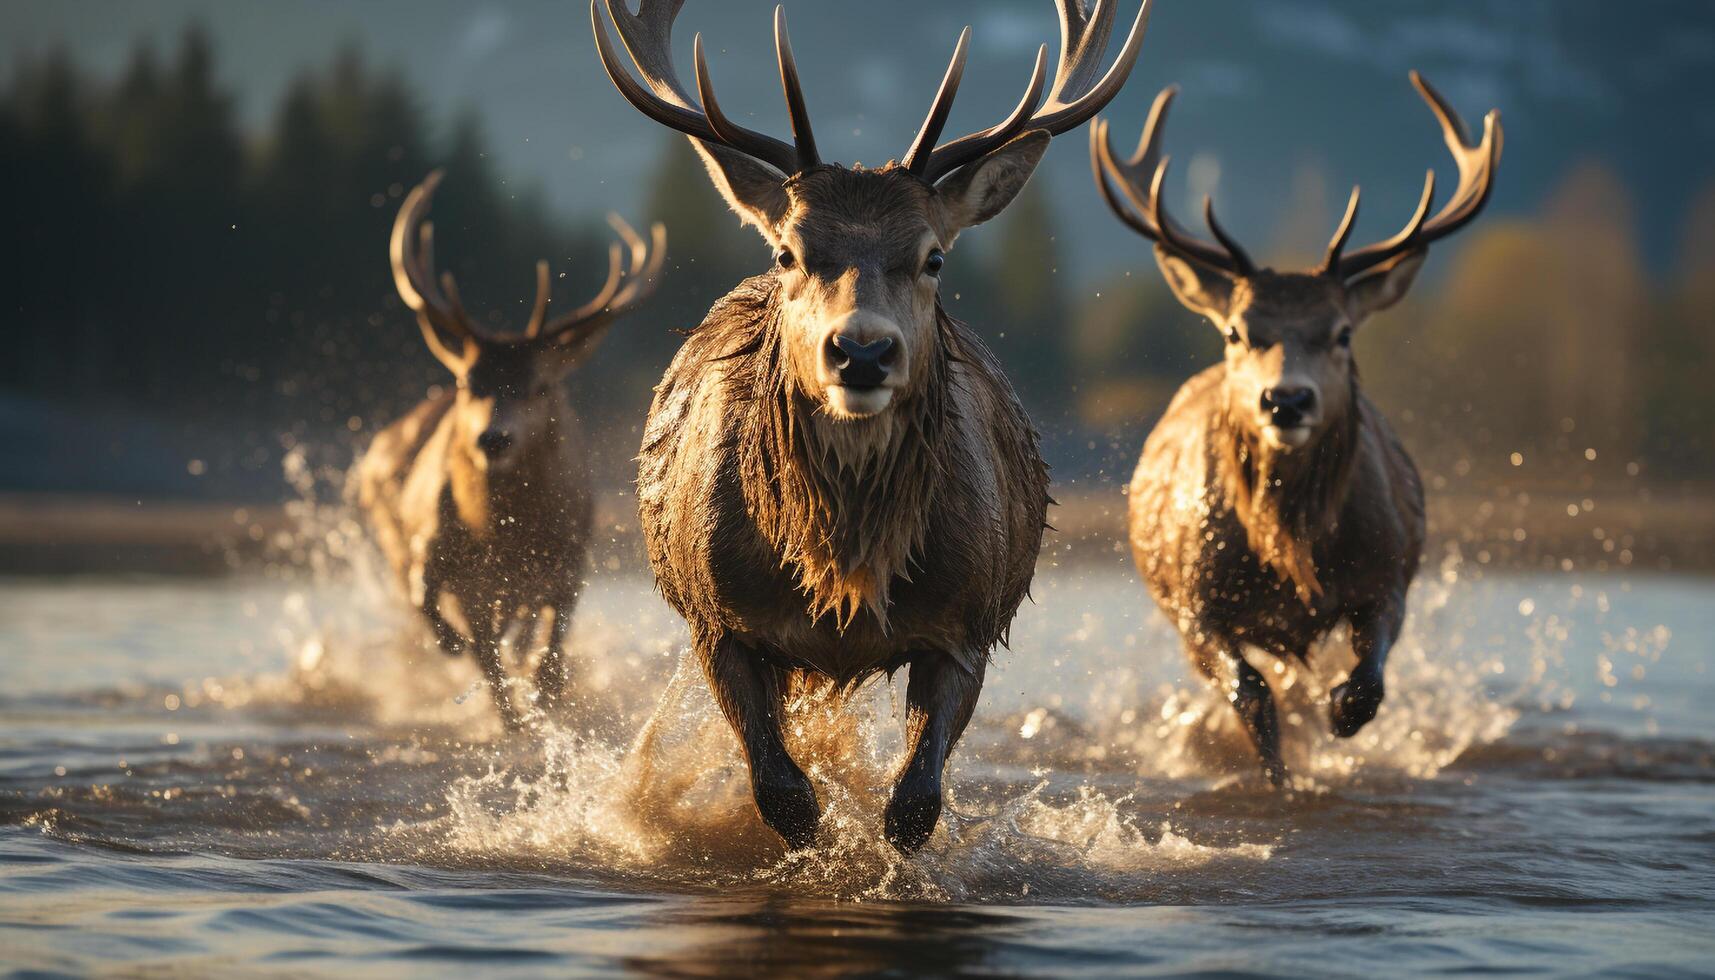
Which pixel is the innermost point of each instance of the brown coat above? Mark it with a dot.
(760, 525)
(1232, 558)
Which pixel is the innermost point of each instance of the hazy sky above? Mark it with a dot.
(1270, 87)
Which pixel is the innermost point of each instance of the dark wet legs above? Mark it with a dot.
(451, 642)
(485, 643)
(939, 700)
(1353, 704)
(1251, 698)
(749, 692)
(551, 672)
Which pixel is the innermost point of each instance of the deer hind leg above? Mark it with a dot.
(1249, 695)
(486, 627)
(751, 695)
(940, 699)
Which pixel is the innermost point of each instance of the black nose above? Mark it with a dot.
(861, 365)
(1288, 406)
(493, 442)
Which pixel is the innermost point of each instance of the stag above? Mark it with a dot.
(836, 479)
(1272, 500)
(481, 494)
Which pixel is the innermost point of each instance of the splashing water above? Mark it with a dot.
(1068, 785)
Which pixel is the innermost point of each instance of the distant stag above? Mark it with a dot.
(1273, 501)
(481, 493)
(836, 479)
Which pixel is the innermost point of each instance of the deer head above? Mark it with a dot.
(858, 252)
(508, 385)
(1289, 362)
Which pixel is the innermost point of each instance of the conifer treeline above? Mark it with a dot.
(166, 263)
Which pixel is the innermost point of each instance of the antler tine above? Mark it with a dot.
(1132, 218)
(1072, 100)
(645, 273)
(1476, 164)
(803, 140)
(540, 308)
(648, 39)
(411, 250)
(1147, 214)
(603, 296)
(1241, 258)
(1176, 239)
(921, 154)
(639, 275)
(1337, 244)
(963, 150)
(751, 143)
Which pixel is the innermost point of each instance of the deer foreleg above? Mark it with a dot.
(551, 672)
(451, 641)
(1354, 703)
(1249, 695)
(750, 694)
(485, 641)
(940, 699)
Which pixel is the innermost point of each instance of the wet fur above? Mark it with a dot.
(844, 548)
(503, 546)
(1236, 558)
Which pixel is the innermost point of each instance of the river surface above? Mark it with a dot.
(270, 774)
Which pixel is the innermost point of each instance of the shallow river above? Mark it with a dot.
(261, 776)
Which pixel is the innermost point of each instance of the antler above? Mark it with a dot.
(1477, 165)
(1140, 178)
(648, 38)
(641, 275)
(438, 307)
(1075, 97)
(412, 249)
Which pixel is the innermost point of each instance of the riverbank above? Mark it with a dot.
(1544, 529)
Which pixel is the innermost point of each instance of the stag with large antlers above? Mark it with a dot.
(480, 494)
(836, 478)
(1272, 500)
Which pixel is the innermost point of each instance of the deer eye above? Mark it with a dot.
(1233, 336)
(785, 259)
(1345, 337)
(932, 265)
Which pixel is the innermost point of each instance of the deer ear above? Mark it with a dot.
(752, 188)
(1201, 289)
(978, 191)
(1383, 286)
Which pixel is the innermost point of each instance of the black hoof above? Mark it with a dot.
(911, 816)
(787, 804)
(1353, 705)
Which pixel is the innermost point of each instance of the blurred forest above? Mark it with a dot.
(187, 299)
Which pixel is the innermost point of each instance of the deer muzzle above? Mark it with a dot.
(860, 362)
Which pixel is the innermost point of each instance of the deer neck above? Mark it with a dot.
(488, 501)
(845, 504)
(1287, 501)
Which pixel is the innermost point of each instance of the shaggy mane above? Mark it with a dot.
(844, 502)
(1286, 501)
